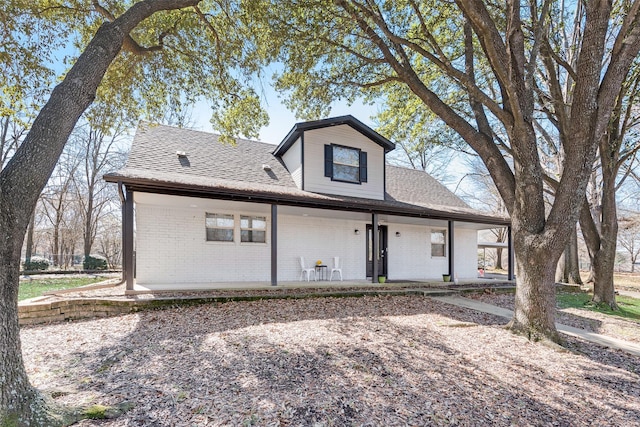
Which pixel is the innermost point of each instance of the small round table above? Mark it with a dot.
(321, 270)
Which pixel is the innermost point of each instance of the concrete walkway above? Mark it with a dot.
(599, 339)
(632, 294)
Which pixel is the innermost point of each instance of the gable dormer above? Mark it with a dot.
(340, 155)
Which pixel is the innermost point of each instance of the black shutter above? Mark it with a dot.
(328, 161)
(363, 166)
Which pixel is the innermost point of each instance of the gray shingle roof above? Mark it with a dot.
(232, 170)
(418, 187)
(155, 146)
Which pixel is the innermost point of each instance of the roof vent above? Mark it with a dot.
(266, 167)
(181, 153)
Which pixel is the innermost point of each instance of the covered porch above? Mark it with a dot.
(369, 243)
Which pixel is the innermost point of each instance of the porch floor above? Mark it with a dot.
(320, 284)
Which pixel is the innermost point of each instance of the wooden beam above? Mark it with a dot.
(375, 244)
(450, 252)
(128, 257)
(274, 245)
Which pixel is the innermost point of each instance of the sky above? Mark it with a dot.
(281, 120)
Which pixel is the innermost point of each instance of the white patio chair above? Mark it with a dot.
(307, 270)
(336, 267)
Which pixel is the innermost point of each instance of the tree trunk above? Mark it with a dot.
(21, 183)
(88, 226)
(603, 289)
(535, 303)
(604, 259)
(561, 268)
(568, 270)
(29, 249)
(602, 248)
(56, 243)
(499, 259)
(20, 403)
(572, 262)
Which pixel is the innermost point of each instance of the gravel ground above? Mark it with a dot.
(371, 361)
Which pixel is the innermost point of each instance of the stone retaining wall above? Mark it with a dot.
(58, 311)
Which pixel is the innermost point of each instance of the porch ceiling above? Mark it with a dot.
(383, 219)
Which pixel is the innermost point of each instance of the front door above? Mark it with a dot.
(382, 250)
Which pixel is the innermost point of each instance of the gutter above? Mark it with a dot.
(154, 186)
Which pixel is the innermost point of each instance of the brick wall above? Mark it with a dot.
(172, 251)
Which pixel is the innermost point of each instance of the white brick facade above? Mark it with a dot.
(172, 250)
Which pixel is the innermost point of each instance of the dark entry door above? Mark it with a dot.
(382, 250)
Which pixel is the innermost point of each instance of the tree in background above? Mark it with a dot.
(58, 205)
(618, 151)
(477, 188)
(24, 76)
(425, 142)
(629, 236)
(552, 159)
(11, 133)
(109, 240)
(99, 152)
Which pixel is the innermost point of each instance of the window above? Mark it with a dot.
(438, 243)
(345, 164)
(253, 229)
(219, 227)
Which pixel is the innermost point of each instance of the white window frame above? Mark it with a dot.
(358, 179)
(251, 217)
(216, 215)
(443, 244)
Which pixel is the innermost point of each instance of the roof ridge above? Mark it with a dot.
(408, 168)
(208, 133)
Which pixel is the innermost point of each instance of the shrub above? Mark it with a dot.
(37, 263)
(94, 262)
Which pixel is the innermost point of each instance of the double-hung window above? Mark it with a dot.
(253, 229)
(438, 243)
(345, 164)
(219, 227)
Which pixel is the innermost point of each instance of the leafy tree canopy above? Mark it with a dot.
(170, 60)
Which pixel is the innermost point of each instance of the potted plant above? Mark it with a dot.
(446, 277)
(382, 278)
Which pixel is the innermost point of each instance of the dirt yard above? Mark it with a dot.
(627, 281)
(373, 361)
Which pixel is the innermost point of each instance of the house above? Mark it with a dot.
(197, 212)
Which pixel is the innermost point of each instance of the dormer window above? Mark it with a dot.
(345, 164)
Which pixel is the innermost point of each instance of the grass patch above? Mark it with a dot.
(96, 412)
(629, 307)
(35, 288)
